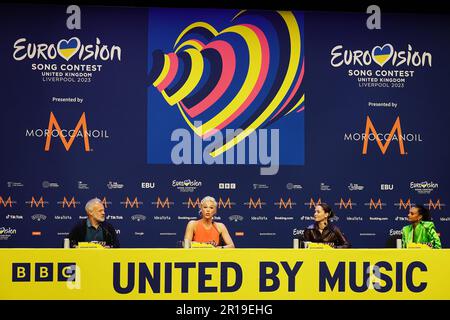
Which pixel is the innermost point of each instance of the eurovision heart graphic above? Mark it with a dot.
(68, 48)
(381, 55)
(246, 76)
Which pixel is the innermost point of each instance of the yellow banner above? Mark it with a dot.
(224, 274)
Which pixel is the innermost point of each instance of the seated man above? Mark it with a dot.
(94, 228)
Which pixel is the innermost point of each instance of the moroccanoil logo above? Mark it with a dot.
(285, 204)
(67, 144)
(72, 203)
(313, 203)
(192, 204)
(375, 205)
(36, 204)
(225, 204)
(345, 204)
(435, 205)
(6, 203)
(162, 204)
(403, 204)
(128, 203)
(254, 204)
(105, 202)
(67, 136)
(383, 147)
(383, 139)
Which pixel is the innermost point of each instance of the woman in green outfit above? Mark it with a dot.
(421, 229)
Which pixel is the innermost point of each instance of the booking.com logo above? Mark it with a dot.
(262, 147)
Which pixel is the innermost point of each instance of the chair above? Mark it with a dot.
(391, 242)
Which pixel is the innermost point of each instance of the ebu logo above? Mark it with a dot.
(43, 272)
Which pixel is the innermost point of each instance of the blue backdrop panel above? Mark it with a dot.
(101, 79)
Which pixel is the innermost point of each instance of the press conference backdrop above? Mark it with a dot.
(152, 109)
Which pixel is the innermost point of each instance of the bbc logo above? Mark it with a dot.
(22, 272)
(227, 186)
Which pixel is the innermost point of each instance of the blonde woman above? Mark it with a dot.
(205, 229)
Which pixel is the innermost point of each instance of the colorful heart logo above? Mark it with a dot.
(68, 48)
(381, 55)
(242, 77)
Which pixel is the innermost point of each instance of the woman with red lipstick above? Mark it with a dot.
(323, 231)
(205, 229)
(421, 228)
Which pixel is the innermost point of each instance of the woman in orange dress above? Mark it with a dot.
(205, 229)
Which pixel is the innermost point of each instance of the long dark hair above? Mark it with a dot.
(327, 209)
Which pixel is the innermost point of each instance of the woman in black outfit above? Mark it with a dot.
(323, 231)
